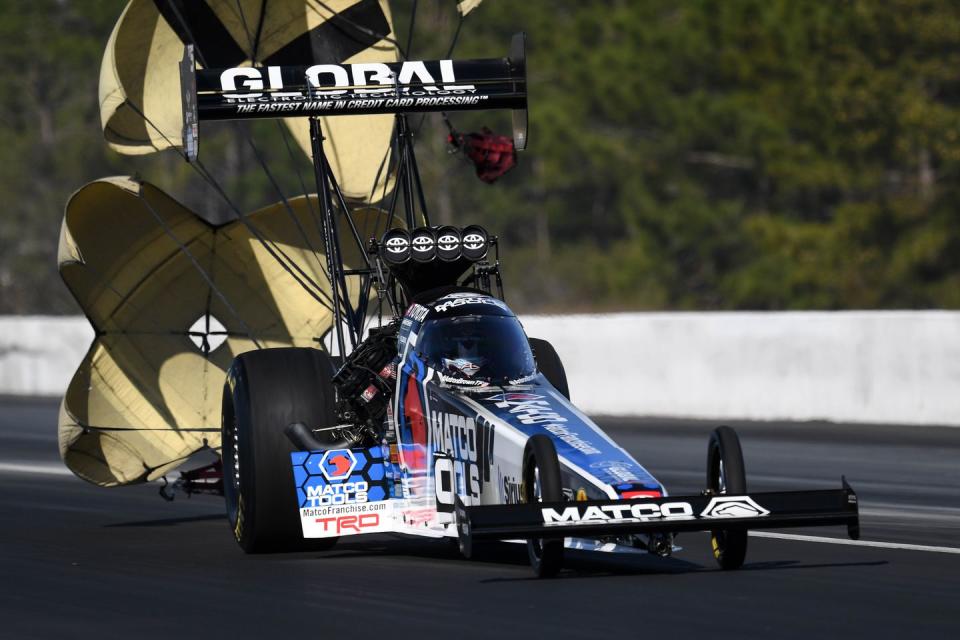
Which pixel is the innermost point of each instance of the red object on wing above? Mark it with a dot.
(492, 154)
(640, 494)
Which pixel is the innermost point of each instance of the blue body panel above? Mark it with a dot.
(538, 408)
(426, 402)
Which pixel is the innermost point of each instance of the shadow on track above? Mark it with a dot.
(628, 567)
(582, 564)
(166, 522)
(578, 565)
(796, 564)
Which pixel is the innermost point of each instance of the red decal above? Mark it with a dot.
(341, 465)
(640, 494)
(368, 520)
(347, 522)
(418, 425)
(354, 523)
(326, 523)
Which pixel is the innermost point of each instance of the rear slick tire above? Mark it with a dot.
(265, 391)
(726, 474)
(541, 483)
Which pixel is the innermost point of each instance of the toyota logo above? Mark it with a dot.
(422, 244)
(397, 245)
(473, 241)
(447, 242)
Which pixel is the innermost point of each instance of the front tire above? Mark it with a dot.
(726, 474)
(549, 364)
(265, 391)
(541, 483)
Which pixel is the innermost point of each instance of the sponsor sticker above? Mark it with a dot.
(535, 409)
(733, 507)
(617, 513)
(452, 303)
(343, 493)
(340, 477)
(346, 520)
(417, 312)
(448, 242)
(639, 511)
(474, 241)
(511, 491)
(465, 366)
(339, 81)
(422, 244)
(468, 444)
(397, 245)
(461, 381)
(618, 470)
(337, 464)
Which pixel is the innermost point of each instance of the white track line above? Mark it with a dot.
(44, 469)
(855, 543)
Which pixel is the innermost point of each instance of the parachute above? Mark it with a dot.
(173, 297)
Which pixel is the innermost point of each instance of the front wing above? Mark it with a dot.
(673, 514)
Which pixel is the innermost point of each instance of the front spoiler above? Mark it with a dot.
(673, 514)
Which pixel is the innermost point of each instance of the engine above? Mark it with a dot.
(365, 381)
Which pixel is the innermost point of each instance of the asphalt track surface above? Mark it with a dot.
(79, 561)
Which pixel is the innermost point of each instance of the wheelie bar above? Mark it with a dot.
(672, 514)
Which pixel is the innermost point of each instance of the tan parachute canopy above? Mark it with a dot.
(140, 107)
(173, 299)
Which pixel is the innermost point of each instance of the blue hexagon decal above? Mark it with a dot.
(312, 465)
(361, 459)
(300, 476)
(376, 472)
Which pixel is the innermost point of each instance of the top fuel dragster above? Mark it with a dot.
(444, 419)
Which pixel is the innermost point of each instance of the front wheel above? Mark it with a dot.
(541, 483)
(726, 474)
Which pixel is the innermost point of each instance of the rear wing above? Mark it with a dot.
(673, 514)
(412, 86)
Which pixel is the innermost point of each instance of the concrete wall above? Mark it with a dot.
(889, 367)
(893, 367)
(38, 354)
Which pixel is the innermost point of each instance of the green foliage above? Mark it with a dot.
(744, 154)
(762, 154)
(48, 119)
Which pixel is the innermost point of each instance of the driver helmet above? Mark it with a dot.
(474, 338)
